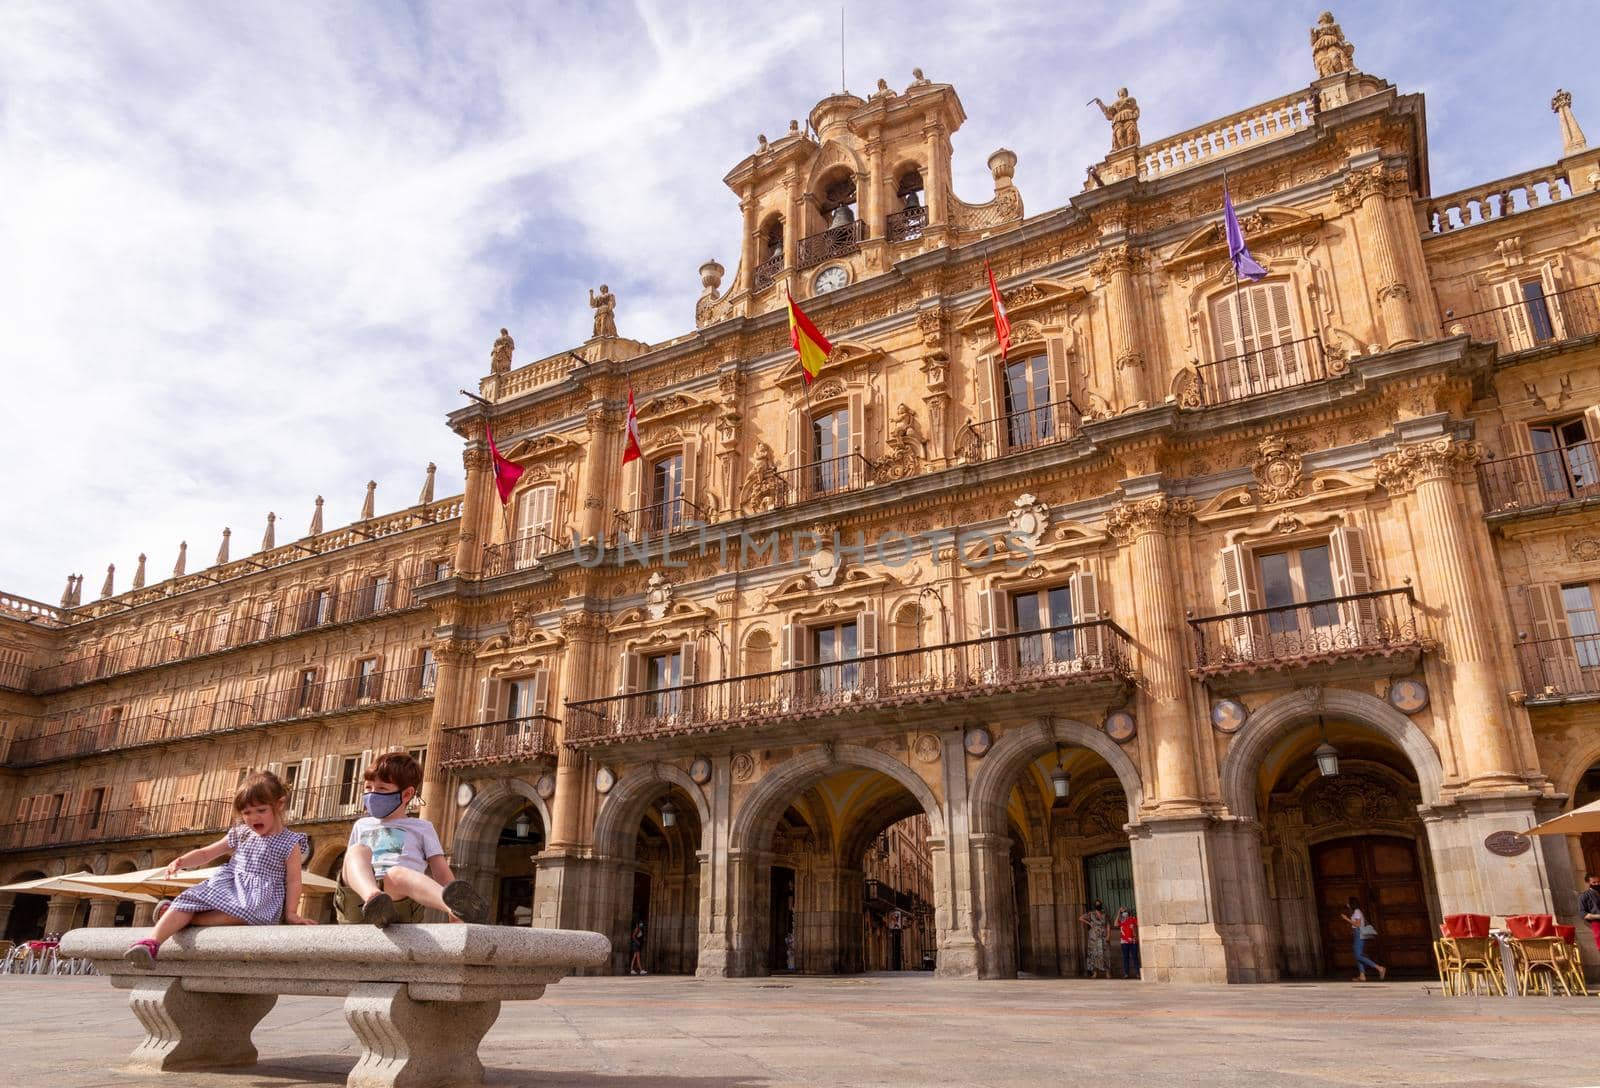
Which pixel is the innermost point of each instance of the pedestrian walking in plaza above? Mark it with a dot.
(1360, 933)
(636, 948)
(1128, 934)
(258, 885)
(1589, 905)
(394, 857)
(1095, 958)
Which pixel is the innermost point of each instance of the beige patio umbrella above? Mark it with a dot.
(1579, 821)
(156, 882)
(74, 884)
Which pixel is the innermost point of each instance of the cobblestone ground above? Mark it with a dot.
(901, 1030)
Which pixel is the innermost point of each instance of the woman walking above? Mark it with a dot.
(1359, 932)
(1095, 961)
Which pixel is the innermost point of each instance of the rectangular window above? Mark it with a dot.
(1297, 576)
(306, 690)
(350, 782)
(536, 521)
(380, 593)
(420, 754)
(665, 514)
(1582, 623)
(1029, 421)
(58, 804)
(1537, 308)
(519, 699)
(440, 569)
(1565, 458)
(663, 673)
(1256, 344)
(97, 805)
(830, 452)
(427, 670)
(367, 678)
(1039, 611)
(836, 649)
(291, 777)
(221, 630)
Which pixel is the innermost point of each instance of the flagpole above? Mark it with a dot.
(1238, 305)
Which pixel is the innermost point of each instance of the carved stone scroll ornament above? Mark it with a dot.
(1029, 518)
(1277, 468)
(1449, 458)
(765, 488)
(658, 598)
(1131, 519)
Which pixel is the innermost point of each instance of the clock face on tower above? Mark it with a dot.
(831, 278)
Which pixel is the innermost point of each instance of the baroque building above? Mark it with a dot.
(1227, 600)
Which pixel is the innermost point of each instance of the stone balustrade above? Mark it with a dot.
(533, 376)
(1258, 124)
(418, 997)
(1496, 200)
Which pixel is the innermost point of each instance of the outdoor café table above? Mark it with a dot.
(1508, 962)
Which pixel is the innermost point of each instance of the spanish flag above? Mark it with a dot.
(812, 347)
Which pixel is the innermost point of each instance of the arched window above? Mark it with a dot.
(906, 222)
(1256, 333)
(841, 229)
(769, 252)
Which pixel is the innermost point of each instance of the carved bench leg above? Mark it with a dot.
(186, 1030)
(415, 1044)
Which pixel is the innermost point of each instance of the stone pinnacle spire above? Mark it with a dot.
(183, 559)
(77, 591)
(370, 505)
(222, 552)
(66, 594)
(138, 574)
(269, 538)
(427, 485)
(316, 520)
(111, 575)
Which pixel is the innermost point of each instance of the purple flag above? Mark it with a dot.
(1244, 265)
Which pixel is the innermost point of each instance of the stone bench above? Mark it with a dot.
(419, 997)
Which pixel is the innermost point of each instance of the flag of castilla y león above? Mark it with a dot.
(506, 472)
(631, 451)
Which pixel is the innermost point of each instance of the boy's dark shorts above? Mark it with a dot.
(348, 905)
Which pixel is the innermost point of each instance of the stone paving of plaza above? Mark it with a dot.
(884, 1030)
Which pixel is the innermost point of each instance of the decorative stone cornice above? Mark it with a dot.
(455, 651)
(1440, 458)
(1131, 519)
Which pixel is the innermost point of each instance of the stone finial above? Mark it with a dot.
(138, 573)
(427, 485)
(369, 505)
(500, 353)
(66, 594)
(710, 283)
(106, 589)
(1572, 140)
(794, 126)
(269, 539)
(1329, 50)
(183, 559)
(77, 591)
(222, 552)
(316, 520)
(1003, 166)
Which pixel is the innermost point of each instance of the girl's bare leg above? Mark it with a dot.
(171, 922)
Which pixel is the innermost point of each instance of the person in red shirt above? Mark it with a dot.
(1128, 930)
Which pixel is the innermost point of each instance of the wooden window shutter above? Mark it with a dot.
(687, 653)
(1591, 424)
(1352, 574)
(488, 689)
(867, 646)
(1511, 315)
(691, 474)
(1550, 661)
(797, 451)
(1237, 595)
(1060, 382)
(1086, 609)
(1514, 439)
(858, 432)
(985, 377)
(1224, 328)
(275, 768)
(541, 693)
(1550, 280)
(787, 657)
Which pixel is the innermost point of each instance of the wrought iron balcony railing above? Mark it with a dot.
(1541, 482)
(660, 518)
(523, 553)
(832, 476)
(512, 740)
(1015, 432)
(1024, 661)
(287, 703)
(1535, 320)
(767, 271)
(1358, 625)
(1265, 370)
(906, 226)
(838, 241)
(1557, 669)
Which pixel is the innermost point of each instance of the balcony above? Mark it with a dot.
(840, 241)
(1055, 667)
(289, 703)
(1546, 482)
(832, 476)
(767, 271)
(1536, 320)
(1265, 370)
(659, 519)
(1017, 432)
(523, 553)
(1560, 670)
(512, 740)
(906, 226)
(1260, 641)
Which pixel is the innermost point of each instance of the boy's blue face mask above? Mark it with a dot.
(381, 804)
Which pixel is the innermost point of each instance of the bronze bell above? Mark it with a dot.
(911, 201)
(842, 217)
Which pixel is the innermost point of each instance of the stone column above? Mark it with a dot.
(993, 891)
(1146, 525)
(958, 902)
(102, 913)
(595, 482)
(1367, 191)
(1450, 573)
(453, 659)
(7, 901)
(584, 676)
(480, 480)
(793, 221)
(61, 914)
(936, 181)
(752, 244)
(1114, 270)
(143, 915)
(1041, 908)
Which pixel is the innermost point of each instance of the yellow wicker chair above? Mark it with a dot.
(1541, 965)
(1475, 961)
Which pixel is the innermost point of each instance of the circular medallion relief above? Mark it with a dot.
(1508, 844)
(1408, 696)
(1228, 716)
(700, 770)
(604, 779)
(546, 786)
(464, 794)
(926, 748)
(1121, 727)
(976, 740)
(743, 767)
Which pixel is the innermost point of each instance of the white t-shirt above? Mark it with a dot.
(407, 843)
(1357, 919)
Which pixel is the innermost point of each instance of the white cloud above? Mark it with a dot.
(248, 253)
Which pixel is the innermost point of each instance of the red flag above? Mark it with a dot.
(1002, 323)
(630, 452)
(506, 473)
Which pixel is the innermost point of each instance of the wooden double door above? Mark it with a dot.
(1383, 873)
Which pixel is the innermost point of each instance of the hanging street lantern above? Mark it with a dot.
(1327, 756)
(1060, 780)
(669, 813)
(524, 825)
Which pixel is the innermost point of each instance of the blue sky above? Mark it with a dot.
(249, 252)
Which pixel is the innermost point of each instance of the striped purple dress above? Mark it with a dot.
(249, 885)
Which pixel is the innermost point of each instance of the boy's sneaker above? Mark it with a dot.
(379, 911)
(465, 902)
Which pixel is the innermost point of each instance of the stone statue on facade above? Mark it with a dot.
(605, 309)
(1329, 50)
(500, 354)
(907, 447)
(765, 488)
(1124, 117)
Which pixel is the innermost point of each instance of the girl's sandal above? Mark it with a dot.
(142, 954)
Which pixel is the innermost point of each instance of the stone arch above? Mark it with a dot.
(764, 806)
(616, 826)
(478, 830)
(997, 774)
(1573, 766)
(1283, 715)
